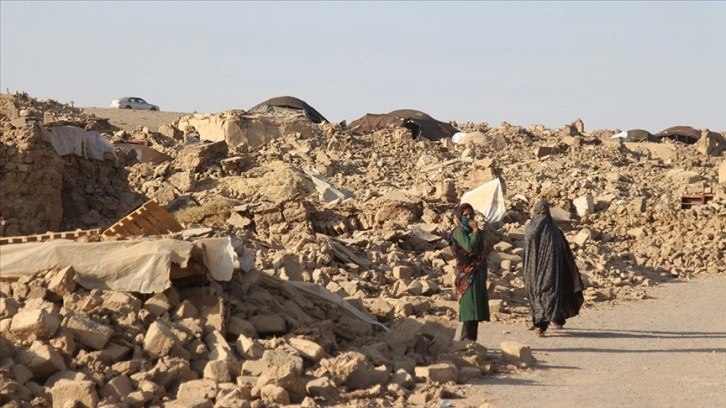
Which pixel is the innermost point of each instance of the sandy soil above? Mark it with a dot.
(665, 351)
(129, 119)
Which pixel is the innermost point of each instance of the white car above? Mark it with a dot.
(132, 102)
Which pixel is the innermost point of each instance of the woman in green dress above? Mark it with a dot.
(467, 242)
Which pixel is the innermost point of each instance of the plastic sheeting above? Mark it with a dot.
(133, 266)
(328, 193)
(487, 199)
(82, 143)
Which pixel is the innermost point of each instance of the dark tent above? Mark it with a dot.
(683, 134)
(283, 103)
(419, 123)
(640, 135)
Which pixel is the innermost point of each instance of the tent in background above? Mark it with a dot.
(420, 124)
(286, 104)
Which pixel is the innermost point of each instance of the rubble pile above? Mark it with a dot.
(21, 109)
(364, 219)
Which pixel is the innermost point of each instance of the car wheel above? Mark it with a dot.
(128, 106)
(154, 109)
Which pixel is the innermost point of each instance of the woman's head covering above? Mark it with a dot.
(463, 207)
(541, 208)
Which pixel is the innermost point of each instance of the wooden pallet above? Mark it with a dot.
(688, 201)
(149, 219)
(48, 236)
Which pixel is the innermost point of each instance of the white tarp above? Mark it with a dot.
(621, 135)
(142, 265)
(487, 199)
(81, 142)
(328, 193)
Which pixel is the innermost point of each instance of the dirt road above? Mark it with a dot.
(665, 351)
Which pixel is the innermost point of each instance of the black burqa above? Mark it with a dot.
(551, 276)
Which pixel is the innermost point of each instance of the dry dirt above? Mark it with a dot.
(666, 351)
(128, 119)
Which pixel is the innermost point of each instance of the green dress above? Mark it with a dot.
(474, 305)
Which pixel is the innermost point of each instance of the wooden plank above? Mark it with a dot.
(130, 227)
(144, 224)
(164, 219)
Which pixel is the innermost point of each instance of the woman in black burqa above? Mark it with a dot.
(553, 282)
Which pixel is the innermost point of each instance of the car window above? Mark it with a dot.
(141, 100)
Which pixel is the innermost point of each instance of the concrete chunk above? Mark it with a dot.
(516, 352)
(309, 350)
(118, 387)
(584, 205)
(237, 326)
(121, 302)
(88, 332)
(36, 322)
(62, 283)
(269, 324)
(80, 393)
(218, 371)
(158, 340)
(249, 348)
(440, 373)
(219, 348)
(402, 272)
(274, 394)
(42, 360)
(194, 389)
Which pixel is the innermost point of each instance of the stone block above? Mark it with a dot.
(308, 350)
(517, 352)
(36, 322)
(722, 172)
(274, 394)
(218, 371)
(121, 302)
(323, 388)
(186, 310)
(158, 304)
(159, 340)
(285, 371)
(8, 307)
(582, 237)
(88, 332)
(41, 359)
(237, 326)
(402, 272)
(194, 389)
(21, 374)
(440, 373)
(269, 324)
(63, 281)
(584, 205)
(119, 387)
(189, 403)
(249, 348)
(82, 394)
(219, 348)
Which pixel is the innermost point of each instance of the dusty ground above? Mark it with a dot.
(128, 119)
(666, 351)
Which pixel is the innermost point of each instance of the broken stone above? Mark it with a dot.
(78, 393)
(308, 350)
(441, 373)
(88, 332)
(41, 360)
(36, 322)
(196, 389)
(269, 324)
(584, 205)
(516, 352)
(218, 371)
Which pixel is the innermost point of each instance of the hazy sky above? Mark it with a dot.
(620, 65)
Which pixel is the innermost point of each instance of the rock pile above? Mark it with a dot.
(364, 217)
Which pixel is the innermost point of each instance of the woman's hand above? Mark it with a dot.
(473, 224)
